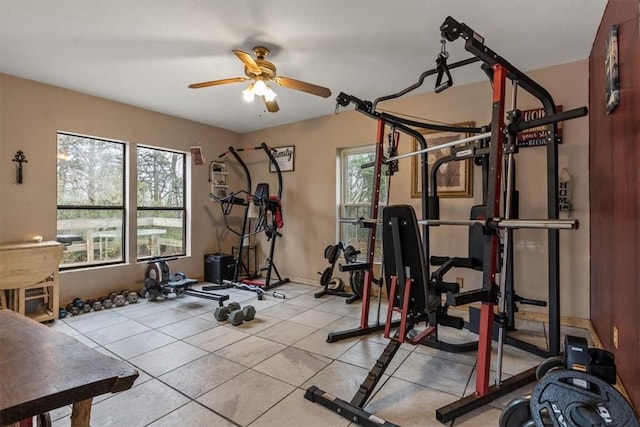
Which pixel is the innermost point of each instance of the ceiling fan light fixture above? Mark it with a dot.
(270, 95)
(260, 88)
(248, 94)
(258, 72)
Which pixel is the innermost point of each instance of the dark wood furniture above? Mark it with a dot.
(42, 369)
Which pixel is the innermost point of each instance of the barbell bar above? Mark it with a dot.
(441, 146)
(491, 223)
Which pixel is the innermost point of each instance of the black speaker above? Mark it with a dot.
(218, 267)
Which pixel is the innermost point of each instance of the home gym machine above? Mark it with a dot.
(408, 283)
(479, 152)
(407, 286)
(503, 142)
(406, 126)
(490, 294)
(269, 221)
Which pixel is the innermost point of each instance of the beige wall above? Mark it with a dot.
(30, 115)
(310, 191)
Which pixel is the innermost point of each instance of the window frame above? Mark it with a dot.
(182, 209)
(343, 205)
(120, 208)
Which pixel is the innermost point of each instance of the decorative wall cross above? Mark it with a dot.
(19, 159)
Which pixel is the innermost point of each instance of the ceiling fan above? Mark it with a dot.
(261, 72)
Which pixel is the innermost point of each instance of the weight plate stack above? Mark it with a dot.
(575, 398)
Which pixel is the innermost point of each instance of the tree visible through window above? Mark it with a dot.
(161, 203)
(90, 198)
(357, 196)
(92, 209)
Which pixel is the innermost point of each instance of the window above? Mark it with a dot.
(356, 196)
(161, 203)
(90, 198)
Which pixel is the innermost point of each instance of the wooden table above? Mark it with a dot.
(42, 369)
(26, 265)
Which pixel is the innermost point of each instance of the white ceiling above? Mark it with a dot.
(146, 52)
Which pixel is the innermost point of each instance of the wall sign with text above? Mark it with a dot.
(538, 135)
(284, 157)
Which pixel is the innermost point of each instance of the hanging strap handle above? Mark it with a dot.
(443, 69)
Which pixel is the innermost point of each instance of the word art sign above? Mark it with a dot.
(538, 135)
(284, 158)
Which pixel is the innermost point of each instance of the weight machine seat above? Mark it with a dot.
(182, 283)
(475, 248)
(409, 243)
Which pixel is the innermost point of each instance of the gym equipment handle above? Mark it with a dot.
(554, 118)
(532, 302)
(354, 267)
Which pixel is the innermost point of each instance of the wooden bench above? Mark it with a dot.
(42, 369)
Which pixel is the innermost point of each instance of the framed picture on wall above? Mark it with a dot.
(454, 179)
(611, 71)
(284, 157)
(196, 155)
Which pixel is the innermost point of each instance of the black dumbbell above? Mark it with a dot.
(62, 313)
(106, 302)
(118, 299)
(132, 297)
(236, 317)
(72, 309)
(221, 314)
(78, 302)
(249, 312)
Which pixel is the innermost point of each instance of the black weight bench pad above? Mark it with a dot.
(412, 256)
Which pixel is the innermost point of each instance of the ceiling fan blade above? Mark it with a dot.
(218, 82)
(248, 62)
(272, 106)
(303, 86)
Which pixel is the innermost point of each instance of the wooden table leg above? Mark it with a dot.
(81, 413)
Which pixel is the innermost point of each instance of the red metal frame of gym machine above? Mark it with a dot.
(364, 328)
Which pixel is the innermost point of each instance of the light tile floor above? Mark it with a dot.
(197, 371)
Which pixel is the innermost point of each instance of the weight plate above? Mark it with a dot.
(336, 284)
(547, 364)
(334, 252)
(516, 413)
(559, 395)
(356, 281)
(326, 277)
(326, 251)
(350, 254)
